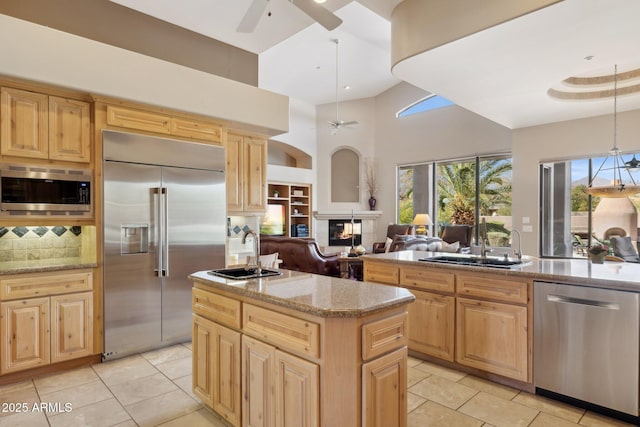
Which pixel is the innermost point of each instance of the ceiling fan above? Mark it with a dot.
(338, 124)
(311, 7)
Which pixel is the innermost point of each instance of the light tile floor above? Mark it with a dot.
(154, 389)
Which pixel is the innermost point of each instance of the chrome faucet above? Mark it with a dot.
(483, 239)
(256, 239)
(519, 252)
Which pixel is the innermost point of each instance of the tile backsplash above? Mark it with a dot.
(43, 242)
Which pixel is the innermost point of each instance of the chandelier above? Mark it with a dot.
(618, 188)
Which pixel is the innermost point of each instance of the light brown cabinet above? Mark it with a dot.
(481, 320)
(37, 330)
(297, 399)
(384, 388)
(25, 334)
(434, 317)
(246, 174)
(163, 123)
(40, 126)
(71, 326)
(258, 383)
(492, 337)
(298, 369)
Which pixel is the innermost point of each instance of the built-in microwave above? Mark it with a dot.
(38, 189)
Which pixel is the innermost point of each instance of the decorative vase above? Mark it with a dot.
(597, 258)
(372, 203)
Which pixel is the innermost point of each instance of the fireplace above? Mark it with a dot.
(340, 232)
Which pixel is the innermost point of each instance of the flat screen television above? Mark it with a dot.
(273, 222)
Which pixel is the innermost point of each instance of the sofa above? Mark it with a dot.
(300, 254)
(392, 231)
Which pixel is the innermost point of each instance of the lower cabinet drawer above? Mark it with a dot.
(44, 284)
(216, 307)
(384, 335)
(381, 273)
(287, 332)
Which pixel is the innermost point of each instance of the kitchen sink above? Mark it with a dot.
(489, 261)
(241, 273)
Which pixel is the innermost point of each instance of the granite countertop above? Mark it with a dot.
(322, 296)
(611, 275)
(39, 266)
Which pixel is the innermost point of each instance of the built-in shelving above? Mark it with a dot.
(295, 200)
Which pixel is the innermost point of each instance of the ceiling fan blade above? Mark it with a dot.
(352, 122)
(252, 17)
(321, 15)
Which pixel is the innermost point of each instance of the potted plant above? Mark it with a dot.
(371, 182)
(597, 253)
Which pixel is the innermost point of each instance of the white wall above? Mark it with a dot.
(446, 133)
(33, 52)
(360, 138)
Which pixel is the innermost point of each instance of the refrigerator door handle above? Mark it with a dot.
(165, 231)
(157, 231)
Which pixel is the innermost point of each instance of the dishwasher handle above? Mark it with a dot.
(582, 301)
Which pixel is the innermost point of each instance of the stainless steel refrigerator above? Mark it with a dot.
(164, 218)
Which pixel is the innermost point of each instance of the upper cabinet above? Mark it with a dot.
(246, 174)
(164, 123)
(40, 126)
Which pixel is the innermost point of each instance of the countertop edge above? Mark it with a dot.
(303, 308)
(43, 269)
(619, 284)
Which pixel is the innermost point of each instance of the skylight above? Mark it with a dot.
(431, 102)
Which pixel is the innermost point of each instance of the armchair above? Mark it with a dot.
(393, 230)
(623, 248)
(457, 233)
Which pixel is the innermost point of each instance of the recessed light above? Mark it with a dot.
(320, 1)
(347, 87)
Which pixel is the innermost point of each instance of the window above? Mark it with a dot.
(466, 190)
(571, 220)
(431, 102)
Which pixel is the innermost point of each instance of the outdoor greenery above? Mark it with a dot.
(456, 188)
(580, 199)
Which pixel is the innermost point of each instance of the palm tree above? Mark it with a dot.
(457, 189)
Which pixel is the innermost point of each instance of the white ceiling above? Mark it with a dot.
(502, 73)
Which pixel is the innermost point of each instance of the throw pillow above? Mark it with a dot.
(387, 244)
(450, 247)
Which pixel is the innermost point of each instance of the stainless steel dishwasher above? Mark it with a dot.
(586, 344)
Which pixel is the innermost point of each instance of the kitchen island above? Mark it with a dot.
(300, 349)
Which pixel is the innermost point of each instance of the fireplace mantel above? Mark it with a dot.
(326, 215)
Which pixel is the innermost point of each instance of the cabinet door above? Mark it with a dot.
(203, 352)
(226, 374)
(297, 392)
(69, 130)
(24, 334)
(24, 124)
(234, 172)
(255, 174)
(71, 326)
(384, 390)
(493, 337)
(258, 365)
(432, 324)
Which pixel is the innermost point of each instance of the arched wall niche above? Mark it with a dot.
(345, 176)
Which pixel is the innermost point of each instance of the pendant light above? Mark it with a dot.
(618, 188)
